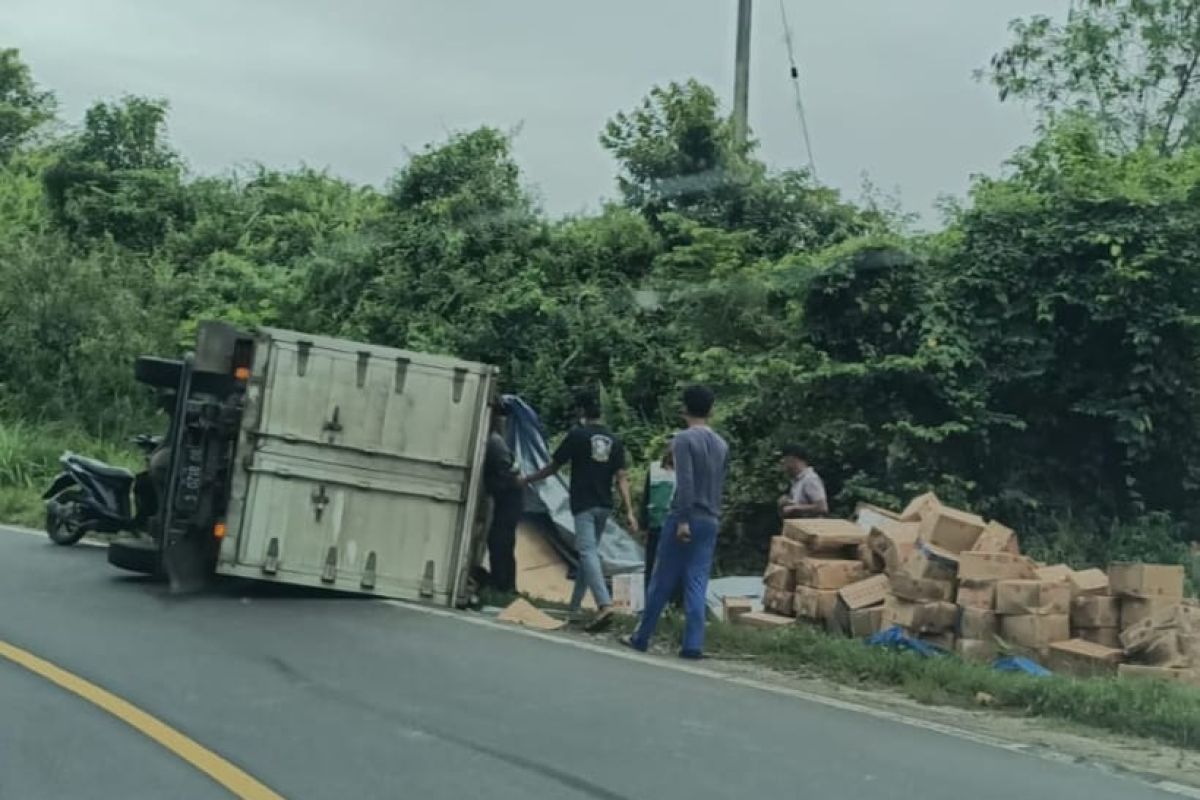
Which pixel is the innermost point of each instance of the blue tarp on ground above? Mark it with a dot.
(619, 552)
(896, 638)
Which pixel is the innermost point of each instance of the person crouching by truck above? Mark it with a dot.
(502, 481)
(806, 495)
(656, 505)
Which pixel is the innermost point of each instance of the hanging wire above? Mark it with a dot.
(787, 37)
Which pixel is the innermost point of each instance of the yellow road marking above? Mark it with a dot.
(235, 780)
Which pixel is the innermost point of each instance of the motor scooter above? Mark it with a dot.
(89, 496)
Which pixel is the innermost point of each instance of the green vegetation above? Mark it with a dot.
(1167, 712)
(1036, 359)
(29, 461)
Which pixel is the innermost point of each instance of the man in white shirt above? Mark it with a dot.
(806, 497)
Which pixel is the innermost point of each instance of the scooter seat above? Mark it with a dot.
(102, 470)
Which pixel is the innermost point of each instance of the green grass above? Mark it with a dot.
(1166, 712)
(29, 461)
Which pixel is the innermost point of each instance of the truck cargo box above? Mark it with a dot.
(358, 468)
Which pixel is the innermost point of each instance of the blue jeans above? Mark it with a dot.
(589, 526)
(681, 563)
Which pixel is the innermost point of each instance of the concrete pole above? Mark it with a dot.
(741, 86)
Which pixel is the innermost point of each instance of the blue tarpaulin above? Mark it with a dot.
(619, 552)
(896, 638)
(1019, 664)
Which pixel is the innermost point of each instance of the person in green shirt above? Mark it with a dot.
(656, 504)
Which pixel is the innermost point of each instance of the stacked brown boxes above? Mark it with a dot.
(779, 581)
(979, 571)
(950, 578)
(1163, 634)
(832, 562)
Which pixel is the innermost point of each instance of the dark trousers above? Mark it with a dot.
(653, 536)
(502, 540)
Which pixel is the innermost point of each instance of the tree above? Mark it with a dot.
(1134, 65)
(678, 155)
(119, 177)
(23, 106)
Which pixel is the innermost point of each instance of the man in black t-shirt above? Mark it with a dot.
(596, 457)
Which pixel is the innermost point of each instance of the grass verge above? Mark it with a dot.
(29, 456)
(1165, 712)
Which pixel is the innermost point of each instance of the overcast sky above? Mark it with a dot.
(355, 85)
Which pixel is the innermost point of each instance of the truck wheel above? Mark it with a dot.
(63, 524)
(135, 555)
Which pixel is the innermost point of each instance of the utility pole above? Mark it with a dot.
(741, 85)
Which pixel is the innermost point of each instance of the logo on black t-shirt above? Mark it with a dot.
(601, 449)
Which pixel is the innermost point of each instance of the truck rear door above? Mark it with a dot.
(359, 468)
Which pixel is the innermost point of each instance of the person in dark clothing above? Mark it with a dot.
(502, 482)
(597, 459)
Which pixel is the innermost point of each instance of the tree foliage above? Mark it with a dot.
(1131, 65)
(1036, 359)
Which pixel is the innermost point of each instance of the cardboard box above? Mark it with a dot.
(928, 617)
(1035, 631)
(928, 563)
(1165, 650)
(826, 538)
(1033, 597)
(780, 578)
(919, 507)
(1089, 582)
(629, 593)
(980, 651)
(943, 640)
(1079, 657)
(1174, 616)
(893, 542)
(976, 623)
(1146, 580)
(825, 573)
(735, 607)
(1109, 637)
(1187, 677)
(1057, 573)
(977, 595)
(951, 529)
(866, 622)
(1091, 611)
(913, 589)
(785, 552)
(983, 567)
(1136, 610)
(816, 605)
(764, 620)
(779, 602)
(868, 516)
(869, 592)
(996, 538)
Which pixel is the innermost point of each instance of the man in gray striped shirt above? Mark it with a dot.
(806, 497)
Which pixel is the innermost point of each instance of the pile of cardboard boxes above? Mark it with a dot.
(955, 580)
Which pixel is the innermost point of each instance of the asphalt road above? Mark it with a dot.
(322, 697)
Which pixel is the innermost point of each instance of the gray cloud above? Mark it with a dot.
(353, 85)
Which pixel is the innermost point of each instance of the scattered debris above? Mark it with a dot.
(522, 612)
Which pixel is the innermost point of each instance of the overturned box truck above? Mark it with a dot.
(317, 462)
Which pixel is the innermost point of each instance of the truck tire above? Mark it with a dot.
(135, 555)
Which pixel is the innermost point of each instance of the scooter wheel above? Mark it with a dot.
(62, 522)
(135, 555)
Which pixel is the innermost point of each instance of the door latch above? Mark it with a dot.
(319, 500)
(333, 425)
